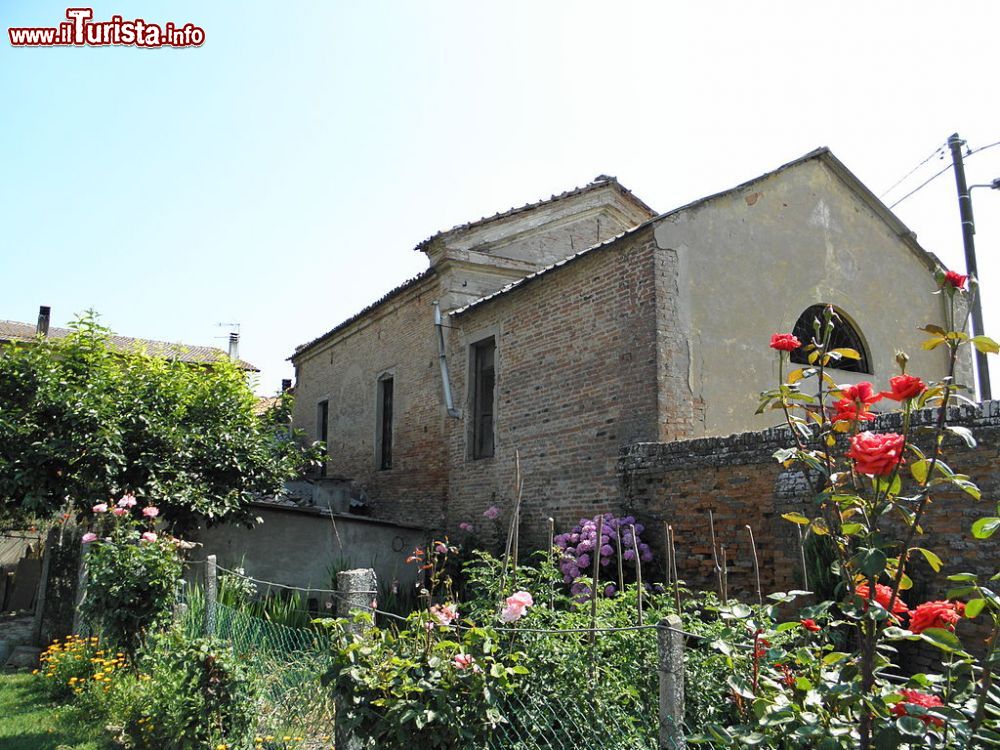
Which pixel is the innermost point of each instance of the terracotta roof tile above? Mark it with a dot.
(12, 330)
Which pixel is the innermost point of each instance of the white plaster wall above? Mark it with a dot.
(748, 264)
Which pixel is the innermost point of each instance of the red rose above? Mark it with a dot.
(882, 596)
(854, 403)
(916, 698)
(877, 454)
(937, 614)
(904, 387)
(810, 625)
(785, 342)
(955, 279)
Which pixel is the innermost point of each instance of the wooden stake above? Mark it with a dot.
(666, 550)
(621, 569)
(715, 556)
(638, 575)
(802, 557)
(725, 575)
(756, 565)
(596, 580)
(552, 562)
(673, 565)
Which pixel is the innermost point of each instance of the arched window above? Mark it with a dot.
(844, 336)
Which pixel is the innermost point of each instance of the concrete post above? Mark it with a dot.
(211, 595)
(357, 590)
(670, 646)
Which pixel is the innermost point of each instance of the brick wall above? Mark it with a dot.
(576, 378)
(738, 479)
(398, 337)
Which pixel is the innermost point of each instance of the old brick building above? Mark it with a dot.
(585, 323)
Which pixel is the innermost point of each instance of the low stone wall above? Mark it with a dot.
(739, 480)
(304, 547)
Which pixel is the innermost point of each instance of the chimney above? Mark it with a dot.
(234, 346)
(44, 312)
(286, 385)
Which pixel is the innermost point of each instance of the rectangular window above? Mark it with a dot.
(483, 397)
(322, 431)
(384, 426)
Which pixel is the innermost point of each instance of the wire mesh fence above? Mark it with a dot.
(615, 707)
(286, 664)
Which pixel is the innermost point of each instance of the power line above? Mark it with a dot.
(933, 177)
(935, 152)
(921, 186)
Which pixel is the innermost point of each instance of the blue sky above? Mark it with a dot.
(280, 175)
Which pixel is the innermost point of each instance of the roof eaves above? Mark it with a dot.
(599, 182)
(394, 292)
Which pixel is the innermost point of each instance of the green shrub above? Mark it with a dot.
(190, 694)
(421, 686)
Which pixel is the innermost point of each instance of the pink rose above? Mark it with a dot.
(445, 614)
(119, 511)
(127, 501)
(148, 536)
(464, 661)
(150, 511)
(492, 513)
(512, 613)
(89, 537)
(441, 548)
(516, 606)
(465, 526)
(100, 508)
(522, 598)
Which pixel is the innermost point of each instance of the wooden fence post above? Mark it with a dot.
(81, 592)
(211, 595)
(670, 645)
(356, 590)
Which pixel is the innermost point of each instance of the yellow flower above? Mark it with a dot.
(220, 747)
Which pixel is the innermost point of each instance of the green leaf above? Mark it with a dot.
(984, 528)
(932, 343)
(911, 726)
(798, 518)
(963, 432)
(985, 344)
(974, 607)
(846, 353)
(943, 639)
(870, 561)
(933, 560)
(919, 470)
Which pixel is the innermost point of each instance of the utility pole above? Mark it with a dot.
(968, 232)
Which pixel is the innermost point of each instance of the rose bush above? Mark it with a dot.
(132, 574)
(872, 490)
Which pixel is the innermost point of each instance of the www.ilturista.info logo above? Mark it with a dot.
(81, 31)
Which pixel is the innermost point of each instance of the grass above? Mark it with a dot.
(32, 722)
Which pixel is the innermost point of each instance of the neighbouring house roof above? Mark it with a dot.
(599, 182)
(387, 297)
(12, 330)
(823, 153)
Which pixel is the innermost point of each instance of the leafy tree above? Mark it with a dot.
(82, 422)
